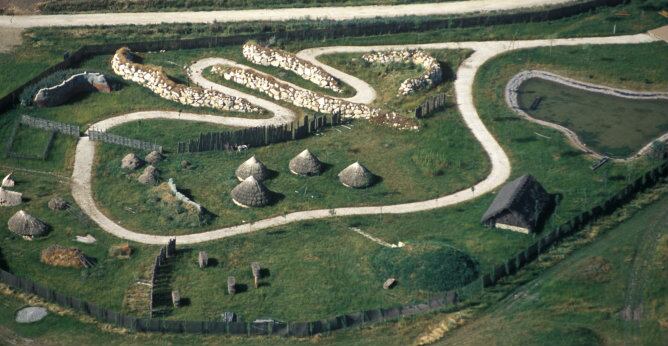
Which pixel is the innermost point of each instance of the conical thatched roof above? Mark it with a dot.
(305, 164)
(10, 198)
(153, 157)
(253, 167)
(57, 203)
(149, 177)
(131, 161)
(356, 176)
(26, 225)
(251, 193)
(8, 181)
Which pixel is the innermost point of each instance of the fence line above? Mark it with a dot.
(124, 141)
(430, 105)
(258, 136)
(49, 125)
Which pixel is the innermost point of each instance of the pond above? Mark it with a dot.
(610, 125)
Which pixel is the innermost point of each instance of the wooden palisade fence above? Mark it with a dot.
(430, 105)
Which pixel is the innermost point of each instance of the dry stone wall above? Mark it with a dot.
(311, 100)
(266, 56)
(76, 84)
(433, 74)
(157, 81)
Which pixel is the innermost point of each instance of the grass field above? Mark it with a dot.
(581, 300)
(612, 125)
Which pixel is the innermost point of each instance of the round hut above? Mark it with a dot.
(153, 157)
(26, 225)
(57, 203)
(251, 193)
(356, 176)
(149, 177)
(10, 198)
(305, 164)
(252, 167)
(131, 161)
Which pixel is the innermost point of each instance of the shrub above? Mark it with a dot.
(431, 266)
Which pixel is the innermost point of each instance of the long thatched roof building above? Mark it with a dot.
(252, 167)
(26, 225)
(251, 193)
(519, 206)
(10, 198)
(356, 176)
(305, 164)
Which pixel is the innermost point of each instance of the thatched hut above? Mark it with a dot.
(8, 181)
(305, 164)
(356, 176)
(253, 167)
(149, 177)
(10, 198)
(153, 157)
(26, 225)
(131, 161)
(57, 203)
(251, 193)
(519, 206)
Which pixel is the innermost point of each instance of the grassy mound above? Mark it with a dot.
(432, 266)
(171, 212)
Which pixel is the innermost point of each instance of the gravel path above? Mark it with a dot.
(512, 101)
(501, 169)
(333, 13)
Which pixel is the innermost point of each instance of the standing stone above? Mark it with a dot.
(389, 283)
(231, 285)
(176, 299)
(203, 259)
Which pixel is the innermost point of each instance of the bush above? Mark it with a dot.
(431, 266)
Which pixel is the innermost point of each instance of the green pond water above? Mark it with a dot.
(611, 125)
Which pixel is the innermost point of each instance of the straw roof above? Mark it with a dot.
(25, 224)
(305, 164)
(8, 181)
(57, 203)
(356, 176)
(153, 157)
(253, 167)
(149, 177)
(251, 193)
(10, 198)
(131, 161)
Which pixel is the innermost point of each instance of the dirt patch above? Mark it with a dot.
(9, 38)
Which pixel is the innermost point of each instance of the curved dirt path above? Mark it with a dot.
(512, 101)
(281, 14)
(501, 169)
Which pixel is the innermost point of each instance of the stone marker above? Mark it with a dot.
(389, 283)
(31, 314)
(231, 285)
(255, 268)
(228, 316)
(203, 259)
(176, 298)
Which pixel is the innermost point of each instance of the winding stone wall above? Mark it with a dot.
(75, 85)
(157, 81)
(266, 56)
(432, 76)
(311, 100)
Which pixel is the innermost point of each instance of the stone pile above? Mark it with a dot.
(433, 74)
(76, 84)
(155, 79)
(266, 56)
(309, 99)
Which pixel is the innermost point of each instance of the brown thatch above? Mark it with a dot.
(10, 198)
(356, 176)
(251, 193)
(149, 177)
(305, 164)
(26, 225)
(131, 161)
(253, 167)
(121, 251)
(153, 157)
(60, 256)
(57, 203)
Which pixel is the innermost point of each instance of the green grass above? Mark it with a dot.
(579, 300)
(608, 124)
